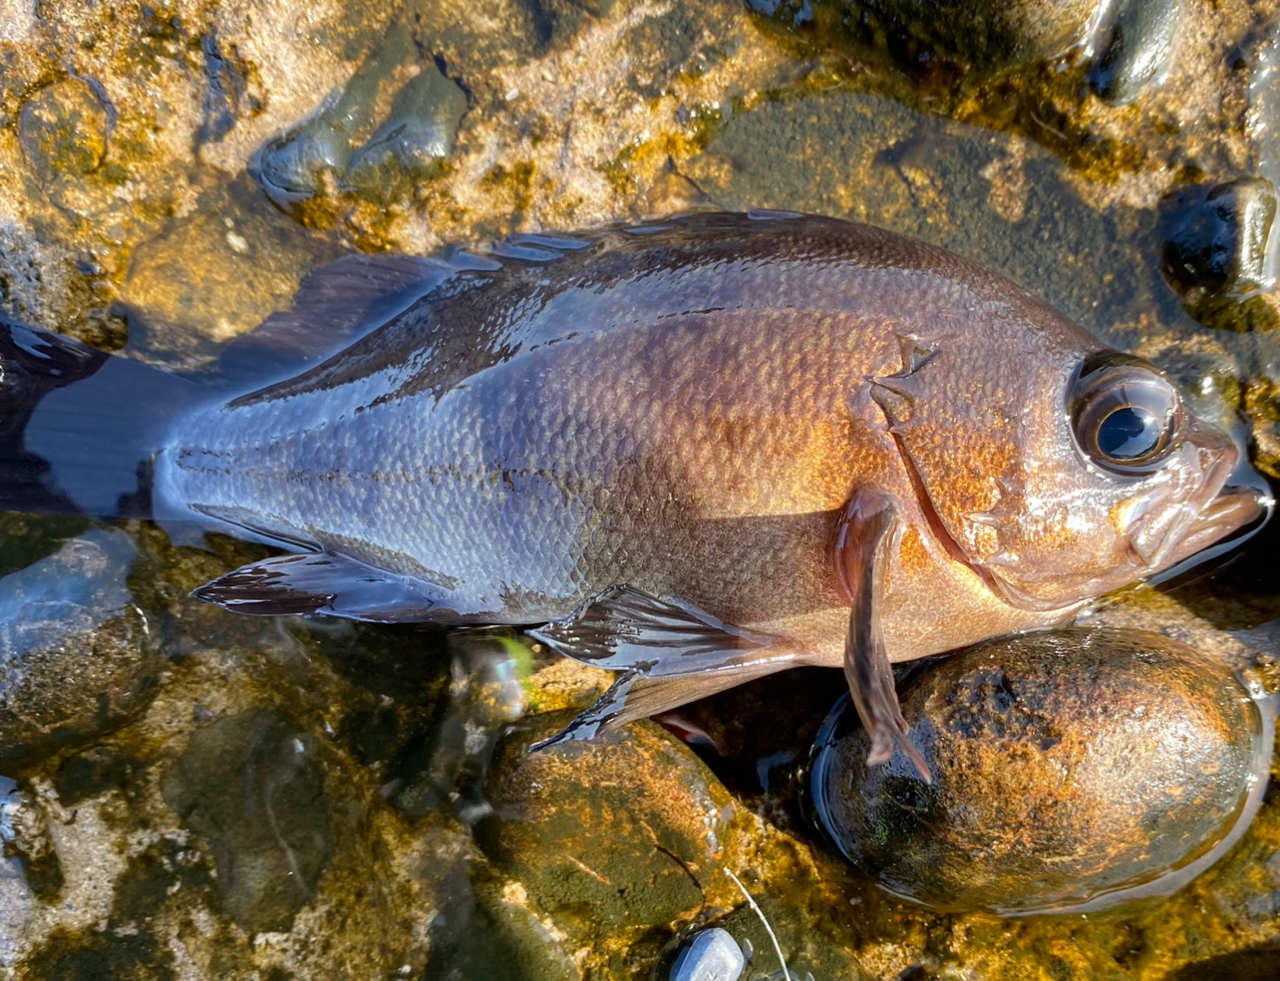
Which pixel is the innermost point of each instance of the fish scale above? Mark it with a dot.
(698, 451)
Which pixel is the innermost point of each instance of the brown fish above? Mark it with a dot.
(699, 451)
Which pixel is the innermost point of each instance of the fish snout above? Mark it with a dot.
(1231, 505)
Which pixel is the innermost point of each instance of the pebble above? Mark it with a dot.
(712, 955)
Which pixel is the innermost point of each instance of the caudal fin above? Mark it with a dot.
(79, 428)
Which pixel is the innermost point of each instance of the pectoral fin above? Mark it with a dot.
(865, 539)
(318, 582)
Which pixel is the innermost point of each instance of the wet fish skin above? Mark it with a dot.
(698, 451)
(687, 410)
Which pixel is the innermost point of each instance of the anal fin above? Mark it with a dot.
(320, 582)
(670, 654)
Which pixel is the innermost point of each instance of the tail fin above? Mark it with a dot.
(79, 428)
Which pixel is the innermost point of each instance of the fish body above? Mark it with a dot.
(732, 420)
(684, 411)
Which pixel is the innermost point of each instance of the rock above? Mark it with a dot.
(77, 656)
(1071, 770)
(608, 837)
(213, 277)
(64, 127)
(1137, 38)
(378, 132)
(414, 139)
(252, 786)
(1215, 252)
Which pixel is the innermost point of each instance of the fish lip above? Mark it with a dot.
(1231, 498)
(1220, 521)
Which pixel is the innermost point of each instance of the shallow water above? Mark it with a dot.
(312, 799)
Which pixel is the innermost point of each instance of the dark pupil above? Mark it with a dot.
(1128, 434)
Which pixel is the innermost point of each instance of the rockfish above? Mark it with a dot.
(696, 451)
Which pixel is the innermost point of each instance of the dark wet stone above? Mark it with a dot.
(614, 834)
(294, 166)
(1138, 38)
(380, 128)
(77, 656)
(1215, 251)
(416, 136)
(252, 786)
(986, 34)
(64, 128)
(1071, 769)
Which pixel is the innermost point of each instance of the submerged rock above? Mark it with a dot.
(77, 656)
(1216, 255)
(1071, 770)
(253, 786)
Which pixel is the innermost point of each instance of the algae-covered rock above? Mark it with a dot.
(77, 655)
(1070, 770)
(616, 834)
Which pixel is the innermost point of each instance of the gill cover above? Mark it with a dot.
(1055, 472)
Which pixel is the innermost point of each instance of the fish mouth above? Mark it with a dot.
(1233, 504)
(1229, 520)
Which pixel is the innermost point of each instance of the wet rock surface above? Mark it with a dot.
(169, 174)
(77, 655)
(1069, 770)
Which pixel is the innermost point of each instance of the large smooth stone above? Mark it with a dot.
(1071, 770)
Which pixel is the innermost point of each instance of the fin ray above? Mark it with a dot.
(868, 530)
(625, 628)
(321, 582)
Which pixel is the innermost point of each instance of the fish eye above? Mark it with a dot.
(1126, 416)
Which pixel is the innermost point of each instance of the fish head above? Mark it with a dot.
(1059, 470)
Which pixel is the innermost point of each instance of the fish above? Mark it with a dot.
(696, 451)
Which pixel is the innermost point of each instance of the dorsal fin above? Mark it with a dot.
(335, 304)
